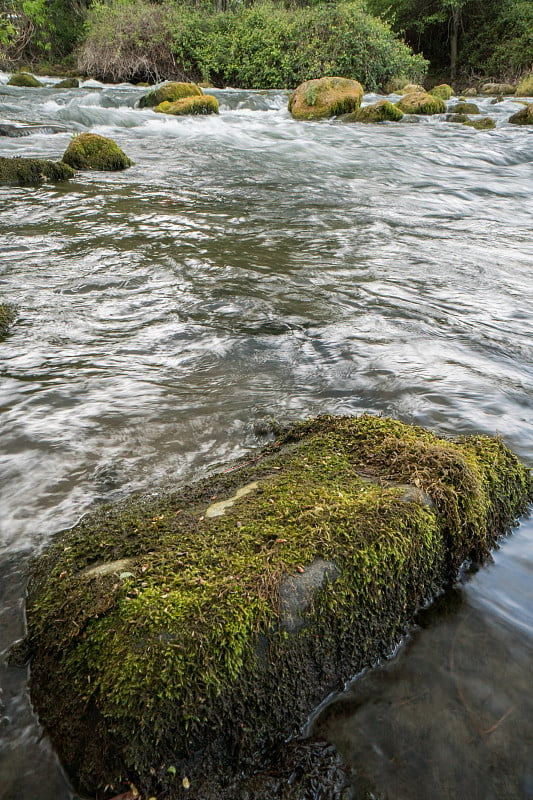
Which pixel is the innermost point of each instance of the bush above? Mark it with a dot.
(501, 44)
(255, 47)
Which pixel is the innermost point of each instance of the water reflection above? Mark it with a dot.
(451, 716)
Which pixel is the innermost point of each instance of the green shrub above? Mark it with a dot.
(261, 46)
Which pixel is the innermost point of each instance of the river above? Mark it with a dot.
(251, 268)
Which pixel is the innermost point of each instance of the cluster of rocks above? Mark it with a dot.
(339, 97)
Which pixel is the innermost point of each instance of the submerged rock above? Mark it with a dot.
(525, 87)
(421, 103)
(24, 79)
(376, 112)
(8, 315)
(482, 124)
(91, 151)
(32, 171)
(169, 92)
(16, 131)
(171, 644)
(206, 104)
(325, 97)
(443, 90)
(524, 116)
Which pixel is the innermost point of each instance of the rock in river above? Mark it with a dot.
(177, 638)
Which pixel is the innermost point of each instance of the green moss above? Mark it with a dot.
(24, 79)
(8, 314)
(68, 83)
(91, 151)
(525, 87)
(176, 652)
(421, 103)
(443, 90)
(169, 92)
(498, 88)
(464, 108)
(32, 171)
(482, 124)
(325, 97)
(523, 117)
(381, 111)
(395, 85)
(207, 104)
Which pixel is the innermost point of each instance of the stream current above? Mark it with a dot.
(249, 267)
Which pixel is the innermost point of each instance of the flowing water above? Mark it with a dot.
(247, 268)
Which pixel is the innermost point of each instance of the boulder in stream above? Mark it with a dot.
(443, 90)
(24, 79)
(91, 151)
(381, 111)
(421, 103)
(8, 315)
(524, 116)
(32, 171)
(206, 104)
(178, 639)
(169, 92)
(325, 97)
(68, 83)
(464, 108)
(498, 88)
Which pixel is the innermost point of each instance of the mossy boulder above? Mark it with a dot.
(395, 85)
(524, 116)
(498, 88)
(443, 90)
(169, 92)
(24, 79)
(421, 103)
(207, 104)
(482, 124)
(68, 83)
(8, 315)
(525, 87)
(471, 92)
(91, 151)
(178, 637)
(409, 88)
(464, 108)
(325, 97)
(32, 171)
(381, 111)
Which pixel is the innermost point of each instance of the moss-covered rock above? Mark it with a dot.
(524, 116)
(325, 97)
(395, 85)
(482, 124)
(525, 87)
(464, 108)
(409, 88)
(32, 171)
(91, 151)
(421, 103)
(470, 92)
(461, 119)
(8, 315)
(24, 79)
(443, 90)
(498, 88)
(178, 636)
(381, 111)
(207, 104)
(68, 83)
(169, 92)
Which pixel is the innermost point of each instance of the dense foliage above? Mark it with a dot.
(470, 38)
(264, 45)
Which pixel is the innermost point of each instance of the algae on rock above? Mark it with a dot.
(206, 104)
(18, 171)
(24, 79)
(524, 116)
(443, 90)
(8, 315)
(157, 629)
(169, 92)
(325, 97)
(91, 151)
(381, 111)
(421, 103)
